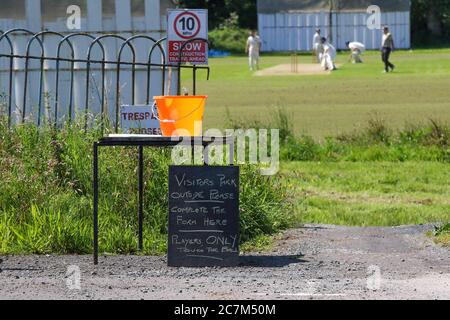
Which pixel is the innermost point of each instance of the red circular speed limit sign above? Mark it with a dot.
(187, 25)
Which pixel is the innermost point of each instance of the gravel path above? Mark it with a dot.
(314, 262)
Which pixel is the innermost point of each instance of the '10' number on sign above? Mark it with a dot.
(187, 24)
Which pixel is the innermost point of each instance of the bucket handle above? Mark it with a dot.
(155, 114)
(171, 121)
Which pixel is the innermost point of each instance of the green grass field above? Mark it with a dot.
(357, 191)
(371, 178)
(370, 193)
(323, 105)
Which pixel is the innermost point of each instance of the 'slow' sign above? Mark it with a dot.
(203, 216)
(185, 25)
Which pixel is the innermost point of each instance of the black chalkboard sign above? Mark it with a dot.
(203, 216)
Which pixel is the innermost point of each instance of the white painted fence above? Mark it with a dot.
(123, 18)
(295, 31)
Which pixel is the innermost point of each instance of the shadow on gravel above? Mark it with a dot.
(270, 261)
(17, 269)
(313, 227)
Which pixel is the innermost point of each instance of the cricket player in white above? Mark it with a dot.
(253, 49)
(329, 55)
(357, 49)
(317, 45)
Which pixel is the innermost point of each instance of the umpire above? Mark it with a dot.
(387, 47)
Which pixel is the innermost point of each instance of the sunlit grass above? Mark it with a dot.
(46, 195)
(331, 104)
(370, 193)
(442, 235)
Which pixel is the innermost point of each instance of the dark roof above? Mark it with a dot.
(271, 6)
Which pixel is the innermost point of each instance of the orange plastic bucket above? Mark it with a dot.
(181, 115)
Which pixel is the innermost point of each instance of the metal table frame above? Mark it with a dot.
(141, 142)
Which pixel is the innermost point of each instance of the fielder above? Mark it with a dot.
(253, 48)
(329, 55)
(357, 49)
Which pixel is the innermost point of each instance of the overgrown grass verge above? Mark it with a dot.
(373, 177)
(442, 235)
(376, 142)
(46, 195)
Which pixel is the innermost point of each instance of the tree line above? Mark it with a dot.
(430, 17)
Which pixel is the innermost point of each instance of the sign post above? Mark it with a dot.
(183, 27)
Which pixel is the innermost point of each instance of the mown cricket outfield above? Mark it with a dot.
(325, 104)
(371, 184)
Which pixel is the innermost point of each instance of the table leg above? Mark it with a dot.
(230, 142)
(141, 197)
(206, 154)
(95, 186)
(193, 151)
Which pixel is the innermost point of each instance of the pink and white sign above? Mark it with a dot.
(185, 25)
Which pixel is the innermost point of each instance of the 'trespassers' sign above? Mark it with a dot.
(139, 120)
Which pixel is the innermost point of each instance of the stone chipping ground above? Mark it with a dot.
(313, 262)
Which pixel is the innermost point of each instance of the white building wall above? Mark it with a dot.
(98, 18)
(294, 31)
